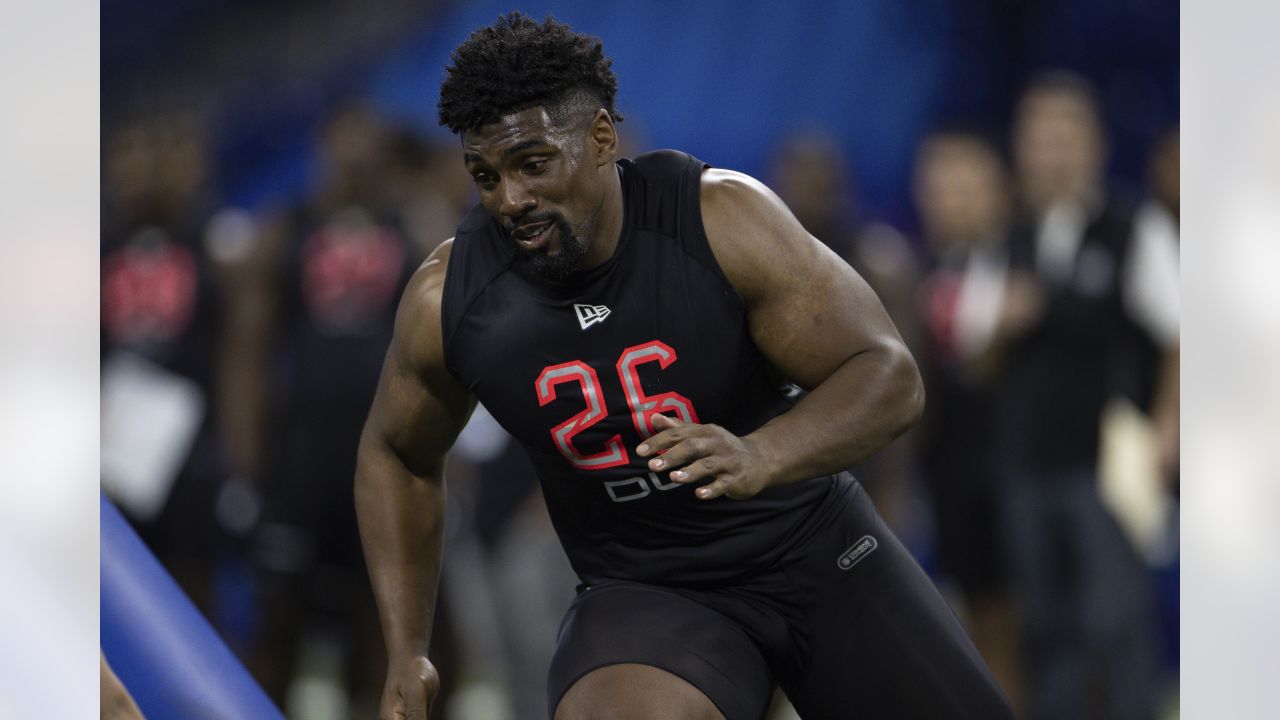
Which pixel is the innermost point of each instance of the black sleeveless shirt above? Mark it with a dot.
(575, 371)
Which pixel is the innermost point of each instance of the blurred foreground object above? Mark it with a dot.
(160, 647)
(115, 701)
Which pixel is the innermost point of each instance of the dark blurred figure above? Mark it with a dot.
(1069, 331)
(813, 178)
(962, 197)
(162, 458)
(425, 187)
(313, 317)
(809, 172)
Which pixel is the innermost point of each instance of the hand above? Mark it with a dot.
(691, 453)
(412, 685)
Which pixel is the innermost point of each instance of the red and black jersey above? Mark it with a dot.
(575, 371)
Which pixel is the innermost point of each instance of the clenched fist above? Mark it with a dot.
(412, 685)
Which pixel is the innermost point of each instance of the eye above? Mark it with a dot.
(484, 180)
(534, 166)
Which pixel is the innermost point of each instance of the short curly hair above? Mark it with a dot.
(518, 63)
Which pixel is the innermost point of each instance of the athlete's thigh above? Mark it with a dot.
(632, 691)
(882, 642)
(613, 628)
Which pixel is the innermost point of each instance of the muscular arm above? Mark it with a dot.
(820, 324)
(417, 413)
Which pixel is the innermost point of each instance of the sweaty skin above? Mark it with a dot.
(810, 314)
(417, 413)
(532, 164)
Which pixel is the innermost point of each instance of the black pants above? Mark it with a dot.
(1086, 600)
(848, 625)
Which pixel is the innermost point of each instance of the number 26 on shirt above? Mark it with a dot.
(642, 407)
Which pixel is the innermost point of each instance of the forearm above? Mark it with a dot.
(872, 398)
(401, 517)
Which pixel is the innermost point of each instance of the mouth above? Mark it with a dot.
(533, 236)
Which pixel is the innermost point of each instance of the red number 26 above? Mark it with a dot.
(642, 407)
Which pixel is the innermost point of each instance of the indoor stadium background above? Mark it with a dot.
(272, 171)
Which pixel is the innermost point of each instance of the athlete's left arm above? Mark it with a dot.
(820, 324)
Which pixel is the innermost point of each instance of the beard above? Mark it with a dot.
(541, 266)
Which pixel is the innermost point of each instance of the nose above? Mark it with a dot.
(515, 199)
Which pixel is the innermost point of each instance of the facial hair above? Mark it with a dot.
(541, 266)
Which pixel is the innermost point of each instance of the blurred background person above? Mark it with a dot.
(426, 189)
(163, 458)
(316, 307)
(1068, 331)
(962, 196)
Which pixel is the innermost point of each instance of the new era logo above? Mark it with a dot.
(589, 315)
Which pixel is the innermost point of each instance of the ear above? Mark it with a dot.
(604, 137)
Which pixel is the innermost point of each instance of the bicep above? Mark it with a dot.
(808, 332)
(416, 415)
(808, 311)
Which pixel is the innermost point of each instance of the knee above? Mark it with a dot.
(616, 709)
(634, 692)
(608, 708)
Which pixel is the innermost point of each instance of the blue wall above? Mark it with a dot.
(724, 79)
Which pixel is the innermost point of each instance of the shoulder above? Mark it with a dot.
(426, 286)
(753, 235)
(728, 193)
(418, 327)
(660, 165)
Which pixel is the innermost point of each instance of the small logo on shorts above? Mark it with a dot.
(854, 555)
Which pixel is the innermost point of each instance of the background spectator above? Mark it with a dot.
(1068, 332)
(962, 194)
(163, 457)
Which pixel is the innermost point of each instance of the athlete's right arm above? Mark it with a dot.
(418, 411)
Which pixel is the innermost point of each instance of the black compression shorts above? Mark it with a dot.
(848, 625)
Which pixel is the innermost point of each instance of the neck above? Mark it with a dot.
(608, 225)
